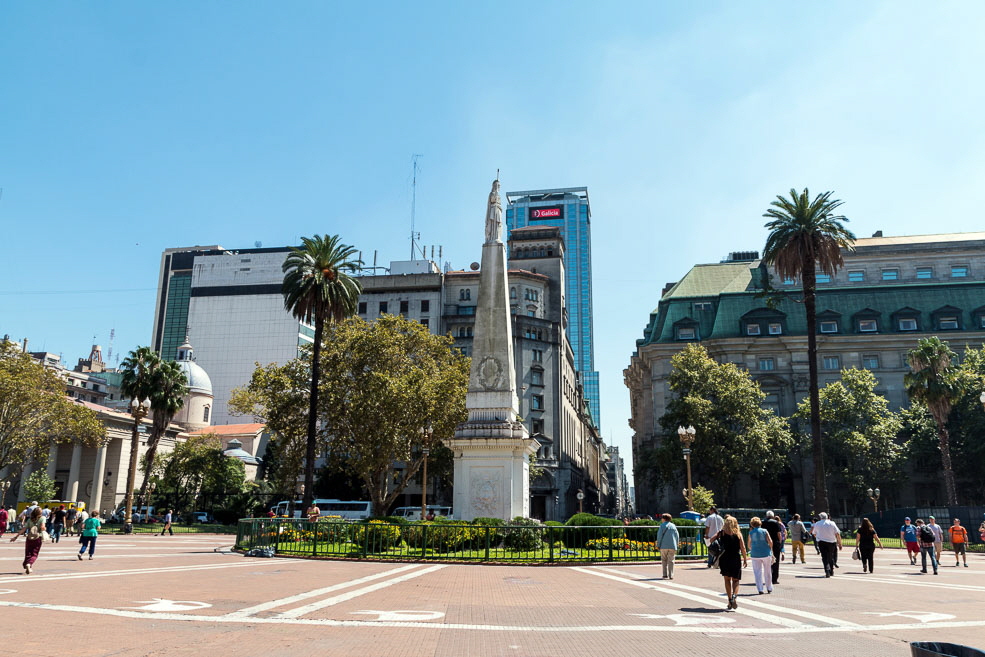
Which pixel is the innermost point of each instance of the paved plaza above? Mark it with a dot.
(188, 595)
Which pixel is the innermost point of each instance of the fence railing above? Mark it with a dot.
(462, 541)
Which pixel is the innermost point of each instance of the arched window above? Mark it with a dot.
(513, 293)
(205, 414)
(468, 294)
(468, 331)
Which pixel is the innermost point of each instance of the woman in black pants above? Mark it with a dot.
(866, 538)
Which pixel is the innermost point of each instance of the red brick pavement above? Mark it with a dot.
(148, 595)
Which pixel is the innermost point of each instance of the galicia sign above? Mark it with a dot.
(546, 213)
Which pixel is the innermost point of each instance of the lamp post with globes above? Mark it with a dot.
(139, 410)
(874, 496)
(687, 438)
(426, 432)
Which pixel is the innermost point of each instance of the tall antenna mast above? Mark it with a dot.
(413, 209)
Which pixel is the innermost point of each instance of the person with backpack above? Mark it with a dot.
(926, 537)
(34, 534)
(959, 539)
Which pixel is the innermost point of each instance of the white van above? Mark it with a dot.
(280, 509)
(414, 512)
(347, 509)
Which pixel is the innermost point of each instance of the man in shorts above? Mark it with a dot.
(908, 534)
(959, 539)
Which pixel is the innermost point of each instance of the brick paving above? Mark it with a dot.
(148, 595)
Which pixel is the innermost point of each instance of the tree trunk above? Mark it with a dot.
(158, 429)
(817, 447)
(944, 438)
(309, 452)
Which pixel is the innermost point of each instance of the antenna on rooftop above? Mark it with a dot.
(109, 351)
(413, 209)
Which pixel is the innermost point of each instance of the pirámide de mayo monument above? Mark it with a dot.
(492, 448)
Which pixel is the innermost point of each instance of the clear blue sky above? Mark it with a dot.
(127, 128)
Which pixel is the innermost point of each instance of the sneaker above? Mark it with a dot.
(79, 555)
(966, 565)
(27, 569)
(924, 571)
(769, 590)
(90, 557)
(935, 572)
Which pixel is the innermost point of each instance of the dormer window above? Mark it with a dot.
(867, 326)
(947, 318)
(907, 324)
(686, 333)
(752, 329)
(829, 326)
(775, 328)
(948, 323)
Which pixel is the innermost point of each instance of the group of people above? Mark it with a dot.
(927, 540)
(36, 527)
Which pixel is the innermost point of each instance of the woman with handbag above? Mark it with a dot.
(865, 540)
(761, 551)
(34, 529)
(729, 565)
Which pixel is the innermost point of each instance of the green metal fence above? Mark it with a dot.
(462, 541)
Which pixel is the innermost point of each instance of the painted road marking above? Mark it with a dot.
(934, 584)
(328, 602)
(681, 593)
(272, 604)
(401, 615)
(922, 616)
(689, 619)
(138, 571)
(162, 604)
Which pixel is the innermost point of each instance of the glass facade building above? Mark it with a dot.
(569, 210)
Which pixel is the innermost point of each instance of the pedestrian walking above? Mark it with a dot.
(926, 538)
(57, 523)
(908, 534)
(959, 539)
(3, 521)
(828, 538)
(33, 530)
(798, 534)
(667, 539)
(90, 530)
(167, 524)
(713, 524)
(865, 542)
(938, 536)
(729, 564)
(70, 519)
(775, 529)
(761, 552)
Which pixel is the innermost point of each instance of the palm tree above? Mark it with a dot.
(139, 370)
(805, 236)
(166, 399)
(935, 381)
(317, 289)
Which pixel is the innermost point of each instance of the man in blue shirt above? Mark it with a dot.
(908, 534)
(667, 539)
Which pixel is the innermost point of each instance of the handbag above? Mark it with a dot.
(856, 555)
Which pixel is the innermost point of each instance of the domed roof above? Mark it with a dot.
(198, 379)
(235, 450)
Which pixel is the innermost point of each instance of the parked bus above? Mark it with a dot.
(414, 512)
(349, 510)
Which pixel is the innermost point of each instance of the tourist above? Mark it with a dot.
(729, 565)
(713, 525)
(908, 534)
(926, 537)
(90, 530)
(3, 521)
(798, 534)
(775, 529)
(57, 523)
(865, 541)
(959, 539)
(828, 538)
(761, 552)
(938, 536)
(313, 513)
(70, 518)
(34, 531)
(667, 539)
(167, 524)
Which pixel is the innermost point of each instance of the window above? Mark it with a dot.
(856, 276)
(702, 305)
(959, 271)
(948, 323)
(925, 272)
(531, 313)
(831, 362)
(823, 278)
(829, 326)
(362, 307)
(907, 324)
(383, 307)
(536, 378)
(981, 321)
(788, 281)
(752, 329)
(424, 322)
(538, 427)
(404, 307)
(767, 364)
(867, 326)
(775, 328)
(466, 310)
(465, 294)
(513, 293)
(890, 274)
(537, 355)
(685, 333)
(425, 305)
(537, 402)
(870, 361)
(205, 414)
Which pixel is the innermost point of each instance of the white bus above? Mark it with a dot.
(349, 510)
(414, 512)
(281, 508)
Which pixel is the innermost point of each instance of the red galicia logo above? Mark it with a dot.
(545, 212)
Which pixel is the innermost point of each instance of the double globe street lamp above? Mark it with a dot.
(139, 410)
(874, 496)
(687, 438)
(426, 432)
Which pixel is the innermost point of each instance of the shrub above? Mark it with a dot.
(376, 536)
(523, 534)
(495, 537)
(442, 535)
(592, 527)
(643, 530)
(332, 531)
(553, 523)
(685, 522)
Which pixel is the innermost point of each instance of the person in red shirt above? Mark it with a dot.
(959, 539)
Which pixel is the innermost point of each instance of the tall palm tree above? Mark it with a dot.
(139, 369)
(807, 235)
(166, 399)
(317, 289)
(935, 381)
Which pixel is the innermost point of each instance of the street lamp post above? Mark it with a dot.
(3, 487)
(426, 432)
(139, 410)
(581, 499)
(687, 438)
(150, 492)
(874, 496)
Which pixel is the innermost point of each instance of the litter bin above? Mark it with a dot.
(934, 649)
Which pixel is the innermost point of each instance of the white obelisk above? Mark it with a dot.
(492, 448)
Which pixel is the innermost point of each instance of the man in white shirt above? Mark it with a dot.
(938, 536)
(713, 525)
(828, 538)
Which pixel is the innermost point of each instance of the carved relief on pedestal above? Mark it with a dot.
(491, 373)
(485, 491)
(800, 383)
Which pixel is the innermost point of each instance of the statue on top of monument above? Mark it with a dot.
(494, 214)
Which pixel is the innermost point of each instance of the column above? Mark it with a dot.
(72, 490)
(52, 459)
(96, 497)
(25, 473)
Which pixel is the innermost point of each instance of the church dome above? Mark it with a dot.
(198, 379)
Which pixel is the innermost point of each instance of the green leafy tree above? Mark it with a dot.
(703, 498)
(39, 486)
(197, 467)
(807, 235)
(861, 445)
(734, 432)
(936, 382)
(384, 381)
(168, 389)
(317, 289)
(34, 411)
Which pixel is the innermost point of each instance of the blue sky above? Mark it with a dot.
(129, 128)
